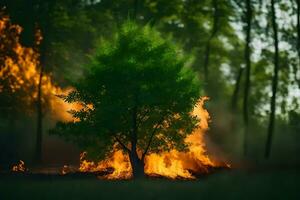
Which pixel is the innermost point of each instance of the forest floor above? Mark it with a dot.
(234, 184)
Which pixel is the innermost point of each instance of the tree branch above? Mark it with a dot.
(142, 117)
(122, 144)
(151, 138)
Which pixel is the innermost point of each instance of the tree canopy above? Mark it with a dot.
(137, 92)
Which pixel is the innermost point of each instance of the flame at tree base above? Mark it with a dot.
(172, 164)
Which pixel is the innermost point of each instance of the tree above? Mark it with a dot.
(138, 94)
(298, 38)
(274, 82)
(55, 21)
(214, 31)
(248, 72)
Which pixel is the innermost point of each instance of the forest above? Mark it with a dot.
(150, 90)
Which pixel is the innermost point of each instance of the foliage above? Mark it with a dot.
(136, 83)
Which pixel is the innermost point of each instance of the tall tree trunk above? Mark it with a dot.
(298, 39)
(42, 51)
(236, 89)
(42, 9)
(274, 83)
(136, 163)
(39, 131)
(212, 35)
(248, 73)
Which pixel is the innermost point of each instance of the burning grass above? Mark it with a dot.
(172, 164)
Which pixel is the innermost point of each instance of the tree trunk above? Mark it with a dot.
(236, 89)
(248, 73)
(213, 34)
(39, 133)
(42, 19)
(136, 163)
(298, 40)
(274, 84)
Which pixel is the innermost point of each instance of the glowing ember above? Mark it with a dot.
(20, 167)
(65, 170)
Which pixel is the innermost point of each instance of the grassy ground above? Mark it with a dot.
(223, 185)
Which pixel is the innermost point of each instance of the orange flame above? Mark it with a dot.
(20, 167)
(119, 162)
(171, 164)
(65, 169)
(19, 72)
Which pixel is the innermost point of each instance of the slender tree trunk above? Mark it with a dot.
(298, 39)
(39, 133)
(136, 163)
(236, 89)
(41, 10)
(248, 73)
(39, 130)
(274, 83)
(213, 34)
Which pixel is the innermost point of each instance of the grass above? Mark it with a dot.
(224, 185)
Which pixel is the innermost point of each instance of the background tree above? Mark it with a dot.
(51, 19)
(274, 82)
(248, 73)
(19, 80)
(137, 93)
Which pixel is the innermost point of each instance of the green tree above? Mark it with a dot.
(137, 93)
(248, 73)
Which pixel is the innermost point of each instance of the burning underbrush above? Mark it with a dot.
(172, 164)
(19, 75)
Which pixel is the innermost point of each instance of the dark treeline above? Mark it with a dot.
(246, 53)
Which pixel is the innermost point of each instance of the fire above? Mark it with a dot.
(171, 164)
(175, 164)
(20, 167)
(119, 162)
(20, 72)
(65, 169)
